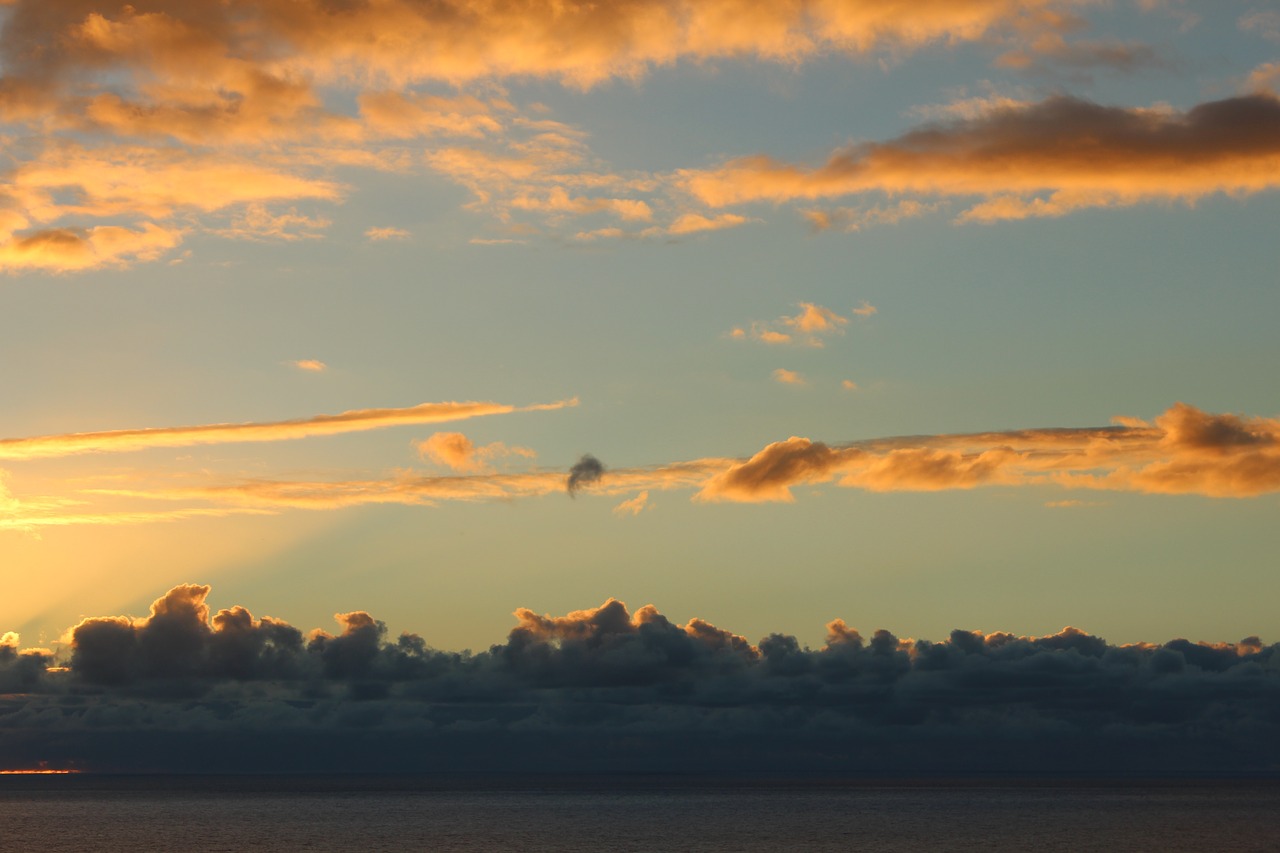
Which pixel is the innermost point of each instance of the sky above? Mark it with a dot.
(922, 316)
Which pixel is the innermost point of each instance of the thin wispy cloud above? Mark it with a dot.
(356, 420)
(633, 506)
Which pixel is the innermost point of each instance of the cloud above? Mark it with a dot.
(1265, 23)
(76, 250)
(848, 385)
(1043, 159)
(1050, 50)
(807, 328)
(692, 223)
(454, 450)
(256, 222)
(850, 219)
(356, 420)
(387, 233)
(558, 200)
(586, 471)
(1188, 451)
(203, 48)
(407, 489)
(632, 506)
(789, 377)
(33, 519)
(653, 693)
(310, 365)
(232, 119)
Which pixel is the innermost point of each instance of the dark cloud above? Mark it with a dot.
(1046, 158)
(585, 471)
(610, 689)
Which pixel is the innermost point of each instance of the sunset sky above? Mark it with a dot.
(919, 315)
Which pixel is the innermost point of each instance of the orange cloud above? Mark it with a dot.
(386, 233)
(312, 365)
(632, 506)
(789, 377)
(454, 450)
(1042, 159)
(74, 249)
(692, 223)
(1187, 452)
(231, 105)
(806, 328)
(356, 420)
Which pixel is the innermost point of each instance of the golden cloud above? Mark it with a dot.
(356, 420)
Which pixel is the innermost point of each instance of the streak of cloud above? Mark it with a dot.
(1040, 159)
(356, 420)
(633, 506)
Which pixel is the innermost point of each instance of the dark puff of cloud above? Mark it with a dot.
(584, 472)
(610, 689)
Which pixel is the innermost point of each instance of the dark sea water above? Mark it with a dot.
(229, 813)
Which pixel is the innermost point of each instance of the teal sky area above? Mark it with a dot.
(633, 242)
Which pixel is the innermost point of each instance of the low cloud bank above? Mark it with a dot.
(610, 689)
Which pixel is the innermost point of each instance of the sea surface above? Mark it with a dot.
(348, 813)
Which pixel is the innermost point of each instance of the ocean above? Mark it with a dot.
(591, 813)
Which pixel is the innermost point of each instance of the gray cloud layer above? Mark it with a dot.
(609, 689)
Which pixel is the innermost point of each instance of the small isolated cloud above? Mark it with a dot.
(454, 450)
(807, 328)
(311, 365)
(789, 377)
(849, 385)
(866, 309)
(585, 471)
(388, 233)
(633, 506)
